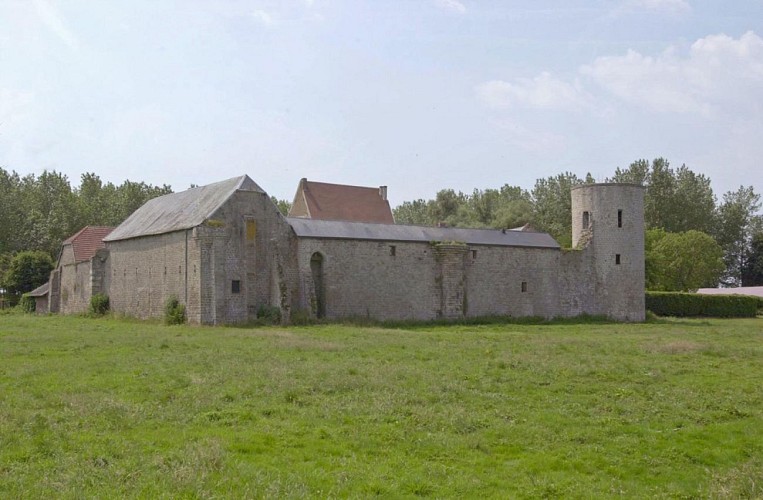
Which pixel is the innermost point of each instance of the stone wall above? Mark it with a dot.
(495, 277)
(613, 214)
(144, 272)
(247, 241)
(427, 281)
(76, 288)
(375, 279)
(576, 282)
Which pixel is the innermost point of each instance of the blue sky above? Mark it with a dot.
(419, 95)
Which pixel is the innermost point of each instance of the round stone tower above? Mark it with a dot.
(608, 219)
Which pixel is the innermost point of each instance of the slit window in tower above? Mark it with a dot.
(586, 219)
(619, 218)
(617, 259)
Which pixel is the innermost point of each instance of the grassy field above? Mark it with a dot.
(107, 407)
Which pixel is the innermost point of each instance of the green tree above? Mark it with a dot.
(752, 274)
(26, 271)
(282, 205)
(552, 208)
(675, 200)
(11, 212)
(414, 212)
(737, 222)
(682, 261)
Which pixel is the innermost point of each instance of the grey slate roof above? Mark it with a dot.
(183, 210)
(40, 291)
(312, 228)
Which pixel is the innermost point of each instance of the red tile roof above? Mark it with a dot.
(87, 241)
(320, 200)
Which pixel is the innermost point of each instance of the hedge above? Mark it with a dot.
(694, 304)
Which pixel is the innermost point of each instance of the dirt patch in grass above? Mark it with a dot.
(677, 347)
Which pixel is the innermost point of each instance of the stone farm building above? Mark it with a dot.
(226, 252)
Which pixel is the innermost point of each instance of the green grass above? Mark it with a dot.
(116, 408)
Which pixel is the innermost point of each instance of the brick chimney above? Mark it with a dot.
(383, 192)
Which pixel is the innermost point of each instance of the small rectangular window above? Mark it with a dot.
(619, 218)
(392, 250)
(524, 286)
(474, 254)
(617, 259)
(235, 286)
(586, 219)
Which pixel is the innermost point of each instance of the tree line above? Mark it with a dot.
(37, 213)
(693, 238)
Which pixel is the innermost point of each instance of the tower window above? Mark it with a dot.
(235, 286)
(392, 250)
(474, 254)
(619, 218)
(617, 259)
(586, 219)
(524, 286)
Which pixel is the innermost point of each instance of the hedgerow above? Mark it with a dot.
(693, 304)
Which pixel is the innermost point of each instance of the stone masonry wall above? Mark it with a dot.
(76, 288)
(576, 282)
(364, 279)
(615, 214)
(424, 281)
(495, 276)
(146, 271)
(451, 279)
(247, 241)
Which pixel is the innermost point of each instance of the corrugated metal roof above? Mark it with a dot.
(311, 228)
(87, 241)
(183, 210)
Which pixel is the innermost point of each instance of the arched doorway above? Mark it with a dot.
(316, 269)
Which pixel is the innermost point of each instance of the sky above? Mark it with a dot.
(418, 95)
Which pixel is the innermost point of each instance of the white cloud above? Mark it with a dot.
(671, 6)
(542, 92)
(717, 73)
(451, 5)
(55, 23)
(262, 17)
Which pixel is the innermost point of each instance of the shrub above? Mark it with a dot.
(99, 304)
(693, 304)
(269, 314)
(174, 311)
(27, 304)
